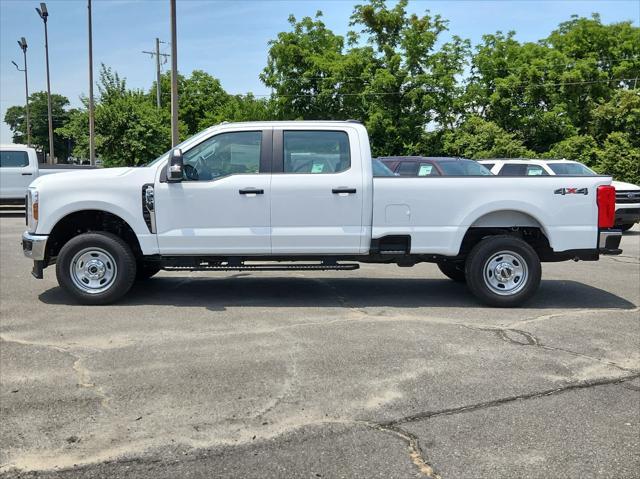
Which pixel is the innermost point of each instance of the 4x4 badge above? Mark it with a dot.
(571, 191)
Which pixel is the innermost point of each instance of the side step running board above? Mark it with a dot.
(264, 267)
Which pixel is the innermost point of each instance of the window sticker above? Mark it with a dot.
(425, 170)
(317, 168)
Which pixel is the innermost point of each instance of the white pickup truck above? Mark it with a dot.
(19, 167)
(302, 195)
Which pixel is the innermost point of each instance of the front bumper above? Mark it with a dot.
(609, 242)
(34, 247)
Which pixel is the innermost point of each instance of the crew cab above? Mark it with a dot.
(19, 167)
(627, 194)
(302, 195)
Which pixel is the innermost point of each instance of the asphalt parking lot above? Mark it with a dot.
(382, 372)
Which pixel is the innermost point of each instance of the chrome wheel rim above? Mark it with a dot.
(93, 270)
(505, 273)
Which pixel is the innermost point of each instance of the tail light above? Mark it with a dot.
(606, 200)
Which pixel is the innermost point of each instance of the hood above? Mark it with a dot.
(621, 185)
(70, 178)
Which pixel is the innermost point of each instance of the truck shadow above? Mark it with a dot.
(240, 290)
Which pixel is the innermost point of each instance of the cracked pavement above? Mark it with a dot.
(382, 372)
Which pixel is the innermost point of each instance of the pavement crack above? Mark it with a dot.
(577, 312)
(82, 374)
(499, 402)
(524, 338)
(415, 451)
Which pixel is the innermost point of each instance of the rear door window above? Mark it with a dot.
(14, 159)
(316, 152)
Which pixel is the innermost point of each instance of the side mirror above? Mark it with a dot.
(175, 166)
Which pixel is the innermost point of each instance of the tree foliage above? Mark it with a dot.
(418, 88)
(15, 117)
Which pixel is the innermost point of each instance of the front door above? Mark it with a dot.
(222, 205)
(317, 193)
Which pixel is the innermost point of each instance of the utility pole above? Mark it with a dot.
(44, 14)
(174, 76)
(23, 46)
(158, 55)
(92, 132)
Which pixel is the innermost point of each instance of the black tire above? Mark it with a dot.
(626, 226)
(116, 258)
(453, 270)
(146, 270)
(507, 252)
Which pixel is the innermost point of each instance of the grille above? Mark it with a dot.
(625, 197)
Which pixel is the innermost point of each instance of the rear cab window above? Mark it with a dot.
(316, 152)
(14, 159)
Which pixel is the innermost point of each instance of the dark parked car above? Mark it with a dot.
(433, 166)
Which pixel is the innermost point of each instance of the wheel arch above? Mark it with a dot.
(511, 221)
(90, 220)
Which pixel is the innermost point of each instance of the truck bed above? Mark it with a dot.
(437, 211)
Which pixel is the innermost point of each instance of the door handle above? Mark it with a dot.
(342, 189)
(26, 174)
(251, 191)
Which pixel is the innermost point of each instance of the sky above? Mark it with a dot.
(226, 38)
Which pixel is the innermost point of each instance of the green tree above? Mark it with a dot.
(240, 108)
(130, 130)
(199, 95)
(15, 117)
(549, 90)
(619, 158)
(582, 148)
(393, 75)
(477, 138)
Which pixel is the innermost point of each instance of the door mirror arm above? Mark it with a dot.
(175, 166)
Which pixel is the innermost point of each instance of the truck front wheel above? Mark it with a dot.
(503, 271)
(96, 268)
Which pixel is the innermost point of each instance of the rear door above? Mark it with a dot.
(15, 174)
(316, 192)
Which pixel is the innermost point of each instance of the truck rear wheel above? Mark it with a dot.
(503, 271)
(454, 271)
(96, 268)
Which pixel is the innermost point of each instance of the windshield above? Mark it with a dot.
(380, 169)
(571, 169)
(463, 168)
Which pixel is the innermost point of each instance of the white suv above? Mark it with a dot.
(627, 195)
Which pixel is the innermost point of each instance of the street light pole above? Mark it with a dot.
(44, 14)
(174, 76)
(23, 46)
(92, 133)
